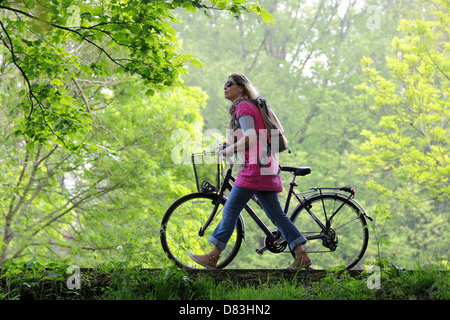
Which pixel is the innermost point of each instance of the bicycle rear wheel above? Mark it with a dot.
(180, 227)
(345, 241)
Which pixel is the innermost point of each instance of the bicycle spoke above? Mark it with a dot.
(346, 240)
(181, 226)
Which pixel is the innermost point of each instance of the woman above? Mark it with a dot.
(251, 179)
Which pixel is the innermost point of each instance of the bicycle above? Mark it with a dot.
(329, 217)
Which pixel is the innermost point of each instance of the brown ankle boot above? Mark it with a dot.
(208, 260)
(301, 259)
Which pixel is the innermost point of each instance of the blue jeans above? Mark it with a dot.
(269, 200)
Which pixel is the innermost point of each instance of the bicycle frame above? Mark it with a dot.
(228, 186)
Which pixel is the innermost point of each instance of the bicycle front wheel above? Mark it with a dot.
(180, 228)
(346, 237)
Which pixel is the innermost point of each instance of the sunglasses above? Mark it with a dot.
(229, 84)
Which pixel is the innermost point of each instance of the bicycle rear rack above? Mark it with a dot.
(350, 190)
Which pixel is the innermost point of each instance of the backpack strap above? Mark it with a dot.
(264, 120)
(257, 104)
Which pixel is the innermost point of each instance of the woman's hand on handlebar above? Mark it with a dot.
(225, 149)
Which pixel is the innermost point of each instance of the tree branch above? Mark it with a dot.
(84, 37)
(24, 75)
(31, 94)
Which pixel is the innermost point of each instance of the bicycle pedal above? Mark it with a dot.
(260, 250)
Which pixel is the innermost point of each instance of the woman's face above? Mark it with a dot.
(232, 91)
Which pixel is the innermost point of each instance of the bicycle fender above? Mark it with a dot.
(362, 209)
(356, 203)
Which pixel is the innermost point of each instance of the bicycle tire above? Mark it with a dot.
(349, 226)
(179, 231)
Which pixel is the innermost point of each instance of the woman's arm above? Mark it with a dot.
(248, 127)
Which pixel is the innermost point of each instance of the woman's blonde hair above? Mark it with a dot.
(250, 91)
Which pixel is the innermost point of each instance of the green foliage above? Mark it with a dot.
(382, 217)
(92, 96)
(406, 156)
(53, 43)
(308, 66)
(84, 206)
(412, 140)
(33, 280)
(122, 281)
(168, 284)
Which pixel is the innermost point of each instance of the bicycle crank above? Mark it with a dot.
(277, 246)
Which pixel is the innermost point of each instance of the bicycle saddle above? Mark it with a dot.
(298, 171)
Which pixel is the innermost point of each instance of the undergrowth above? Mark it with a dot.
(118, 281)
